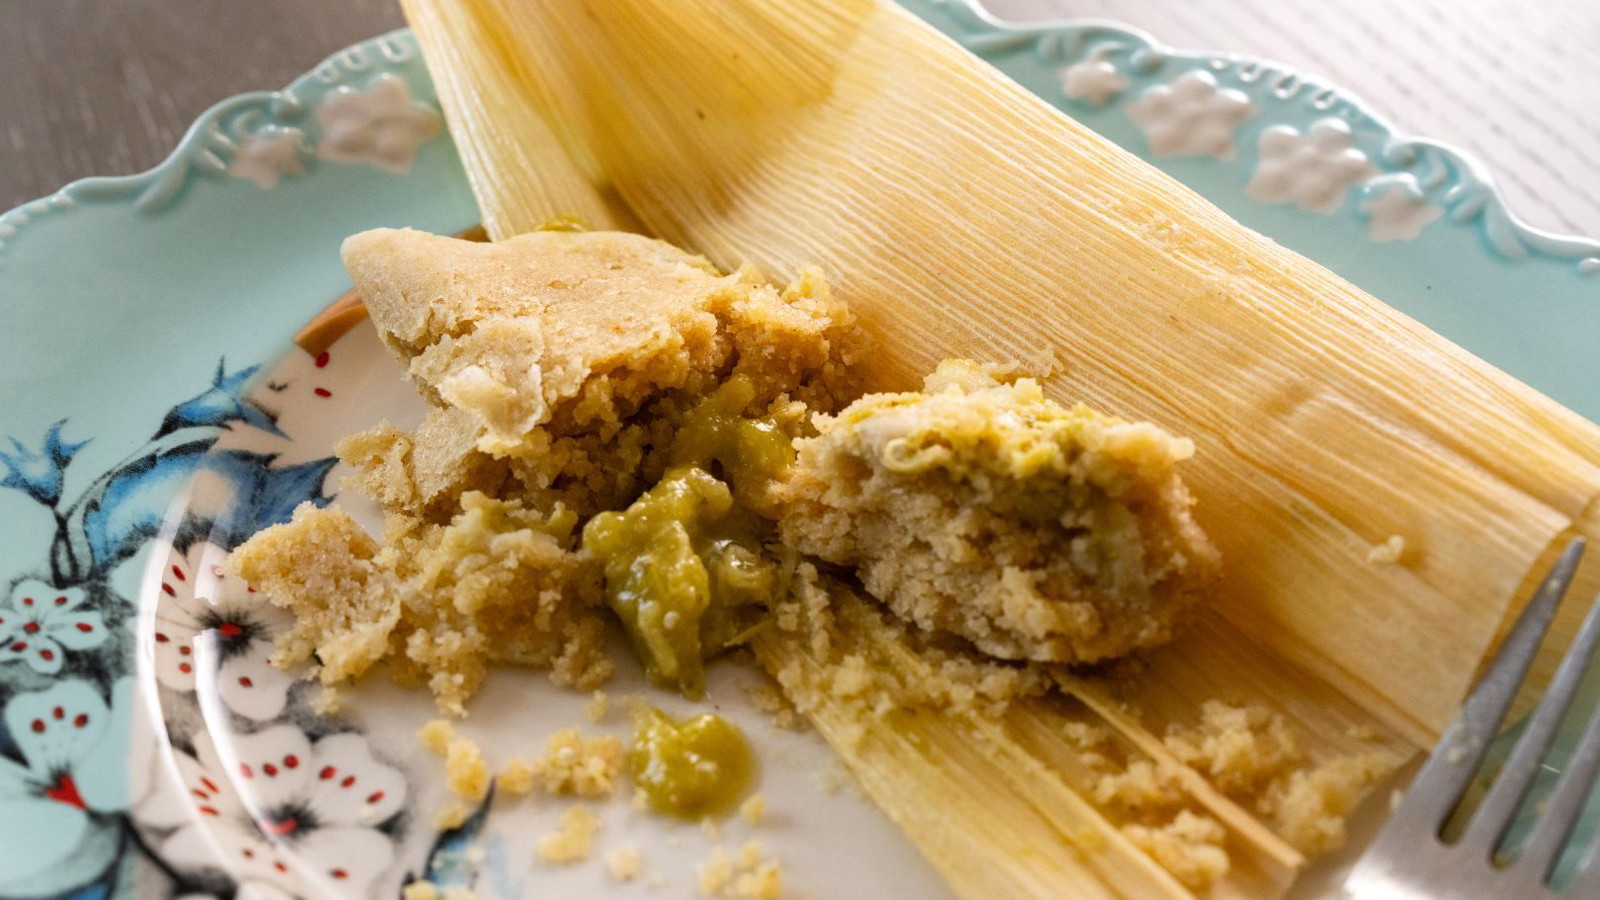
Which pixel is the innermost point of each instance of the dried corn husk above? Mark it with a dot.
(959, 215)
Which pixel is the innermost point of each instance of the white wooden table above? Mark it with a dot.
(103, 87)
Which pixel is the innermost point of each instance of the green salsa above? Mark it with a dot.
(692, 768)
(685, 568)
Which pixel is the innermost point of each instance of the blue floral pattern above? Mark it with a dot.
(80, 800)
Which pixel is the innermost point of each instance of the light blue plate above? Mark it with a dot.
(135, 311)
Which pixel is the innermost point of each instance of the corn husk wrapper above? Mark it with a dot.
(959, 215)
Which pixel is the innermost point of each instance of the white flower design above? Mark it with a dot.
(269, 154)
(75, 755)
(379, 124)
(274, 809)
(1191, 116)
(1313, 170)
(200, 604)
(42, 622)
(1397, 207)
(1094, 80)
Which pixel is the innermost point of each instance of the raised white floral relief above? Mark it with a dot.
(1313, 170)
(380, 124)
(1093, 80)
(1191, 116)
(1397, 208)
(286, 815)
(266, 156)
(199, 599)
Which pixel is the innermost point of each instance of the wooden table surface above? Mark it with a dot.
(105, 87)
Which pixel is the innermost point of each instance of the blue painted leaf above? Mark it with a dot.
(266, 495)
(127, 505)
(40, 475)
(447, 862)
(220, 405)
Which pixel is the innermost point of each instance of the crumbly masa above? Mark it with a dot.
(498, 583)
(1250, 754)
(1239, 748)
(519, 776)
(754, 810)
(859, 654)
(1190, 847)
(858, 647)
(579, 766)
(625, 863)
(466, 774)
(436, 734)
(1389, 552)
(559, 368)
(542, 348)
(1309, 807)
(452, 814)
(983, 509)
(598, 706)
(748, 875)
(575, 381)
(575, 841)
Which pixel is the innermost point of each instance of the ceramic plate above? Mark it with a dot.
(157, 409)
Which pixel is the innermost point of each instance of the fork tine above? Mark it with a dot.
(1565, 805)
(1586, 883)
(1494, 816)
(1438, 787)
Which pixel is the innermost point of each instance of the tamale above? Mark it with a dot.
(962, 216)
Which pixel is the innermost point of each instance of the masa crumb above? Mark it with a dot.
(420, 890)
(579, 766)
(749, 875)
(1250, 754)
(1309, 807)
(715, 874)
(1189, 847)
(1240, 748)
(465, 772)
(520, 776)
(768, 698)
(597, 707)
(328, 701)
(436, 735)
(451, 815)
(754, 810)
(625, 863)
(1388, 552)
(575, 841)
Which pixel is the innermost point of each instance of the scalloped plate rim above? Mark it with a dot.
(1480, 169)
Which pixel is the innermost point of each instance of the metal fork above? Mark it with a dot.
(1409, 859)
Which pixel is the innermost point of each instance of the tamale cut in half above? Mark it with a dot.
(957, 215)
